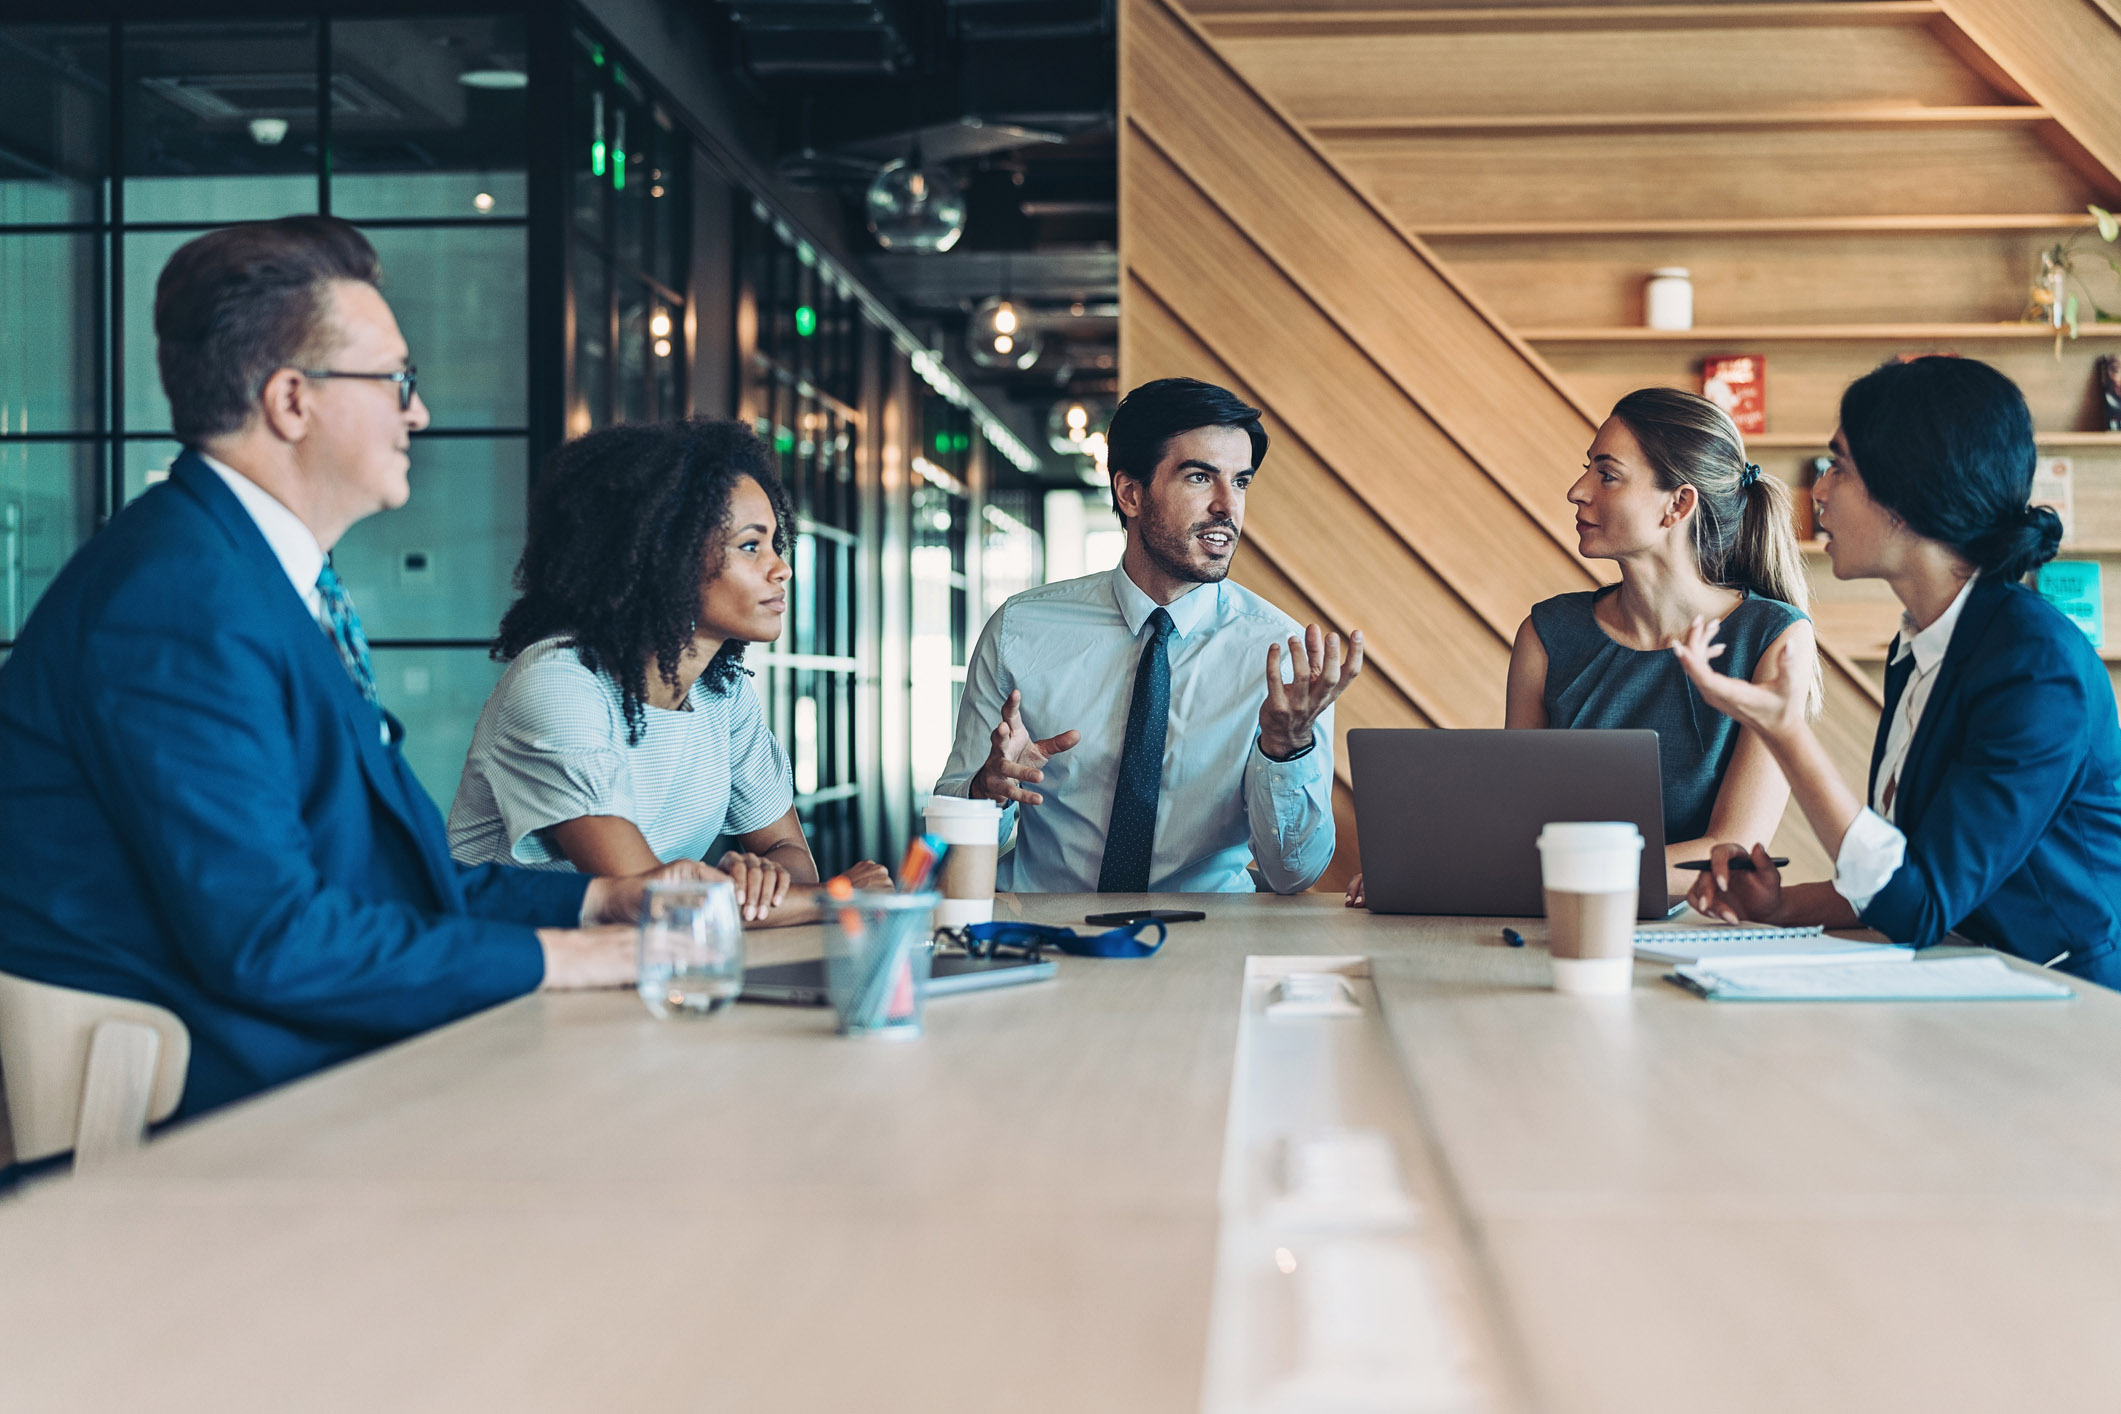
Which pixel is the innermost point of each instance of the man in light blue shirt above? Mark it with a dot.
(1179, 747)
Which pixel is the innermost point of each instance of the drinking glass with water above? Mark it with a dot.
(691, 947)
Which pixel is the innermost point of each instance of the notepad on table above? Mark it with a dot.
(1729, 945)
(1956, 979)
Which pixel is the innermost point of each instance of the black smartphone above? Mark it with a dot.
(1740, 863)
(1146, 915)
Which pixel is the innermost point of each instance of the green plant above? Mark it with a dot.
(2062, 267)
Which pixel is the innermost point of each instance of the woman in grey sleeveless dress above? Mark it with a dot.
(1698, 533)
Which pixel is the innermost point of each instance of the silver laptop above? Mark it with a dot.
(1448, 821)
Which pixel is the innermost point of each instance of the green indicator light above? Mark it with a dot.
(805, 320)
(596, 55)
(618, 169)
(783, 441)
(942, 442)
(596, 159)
(960, 442)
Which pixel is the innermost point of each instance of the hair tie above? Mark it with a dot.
(1750, 475)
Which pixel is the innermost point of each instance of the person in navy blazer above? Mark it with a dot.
(1994, 801)
(202, 804)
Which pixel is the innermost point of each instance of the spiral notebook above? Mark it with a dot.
(1955, 979)
(1727, 945)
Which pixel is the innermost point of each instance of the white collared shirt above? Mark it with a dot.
(1874, 847)
(292, 542)
(1073, 648)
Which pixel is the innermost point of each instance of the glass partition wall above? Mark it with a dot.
(119, 142)
(556, 234)
(803, 343)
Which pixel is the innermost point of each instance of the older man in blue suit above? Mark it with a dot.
(202, 802)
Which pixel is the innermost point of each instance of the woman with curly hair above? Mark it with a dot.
(621, 736)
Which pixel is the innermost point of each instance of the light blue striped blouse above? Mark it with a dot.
(551, 746)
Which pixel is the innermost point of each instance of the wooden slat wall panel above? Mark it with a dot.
(1651, 175)
(1422, 451)
(1444, 659)
(2065, 53)
(1321, 384)
(1305, 17)
(1378, 286)
(1406, 75)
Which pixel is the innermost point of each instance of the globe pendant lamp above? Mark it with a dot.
(914, 207)
(1073, 422)
(1000, 335)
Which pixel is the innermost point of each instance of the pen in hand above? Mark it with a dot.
(1738, 863)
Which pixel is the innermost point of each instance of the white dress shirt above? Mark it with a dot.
(1874, 847)
(1072, 649)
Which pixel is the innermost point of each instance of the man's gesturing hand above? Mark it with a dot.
(1286, 716)
(1015, 758)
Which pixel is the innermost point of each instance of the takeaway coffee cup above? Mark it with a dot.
(972, 829)
(1591, 873)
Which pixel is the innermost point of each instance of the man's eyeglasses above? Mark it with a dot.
(408, 382)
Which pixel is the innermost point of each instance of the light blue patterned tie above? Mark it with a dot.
(1130, 837)
(346, 633)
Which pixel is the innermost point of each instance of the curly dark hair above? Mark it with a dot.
(622, 536)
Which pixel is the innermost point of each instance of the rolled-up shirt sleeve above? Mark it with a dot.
(987, 690)
(1871, 853)
(1289, 806)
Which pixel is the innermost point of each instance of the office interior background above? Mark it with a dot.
(577, 231)
(618, 209)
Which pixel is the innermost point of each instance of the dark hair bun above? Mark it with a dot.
(2020, 545)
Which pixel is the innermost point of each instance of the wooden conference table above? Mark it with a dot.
(562, 1204)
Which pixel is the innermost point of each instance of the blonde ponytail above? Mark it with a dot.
(1765, 557)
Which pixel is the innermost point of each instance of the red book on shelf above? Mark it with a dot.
(1737, 383)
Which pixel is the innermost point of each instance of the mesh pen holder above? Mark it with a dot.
(877, 955)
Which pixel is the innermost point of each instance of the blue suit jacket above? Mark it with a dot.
(2011, 794)
(197, 810)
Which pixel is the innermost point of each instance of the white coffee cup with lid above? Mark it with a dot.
(972, 829)
(1591, 872)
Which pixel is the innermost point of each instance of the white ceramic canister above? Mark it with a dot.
(1668, 299)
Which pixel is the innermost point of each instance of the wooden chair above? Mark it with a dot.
(84, 1071)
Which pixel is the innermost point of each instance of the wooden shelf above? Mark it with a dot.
(1808, 14)
(1823, 333)
(1767, 225)
(1824, 116)
(1808, 441)
(1877, 655)
(1817, 546)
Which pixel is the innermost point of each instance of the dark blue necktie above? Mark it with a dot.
(1896, 679)
(1896, 676)
(346, 633)
(1131, 835)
